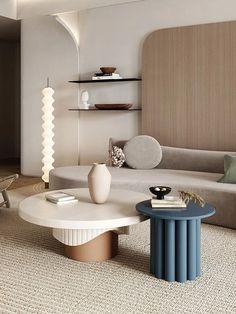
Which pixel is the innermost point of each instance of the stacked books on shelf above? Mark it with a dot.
(168, 203)
(102, 76)
(60, 198)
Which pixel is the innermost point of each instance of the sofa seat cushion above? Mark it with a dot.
(139, 179)
(221, 196)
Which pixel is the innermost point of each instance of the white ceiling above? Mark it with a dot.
(10, 28)
(28, 8)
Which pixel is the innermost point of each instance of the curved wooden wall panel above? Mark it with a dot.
(189, 86)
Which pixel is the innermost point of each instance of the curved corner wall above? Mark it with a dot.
(47, 50)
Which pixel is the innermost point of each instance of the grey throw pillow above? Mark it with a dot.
(229, 169)
(142, 152)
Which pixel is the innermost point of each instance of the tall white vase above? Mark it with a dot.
(99, 183)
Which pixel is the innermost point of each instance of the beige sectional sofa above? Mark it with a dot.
(183, 169)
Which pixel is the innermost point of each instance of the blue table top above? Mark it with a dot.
(192, 211)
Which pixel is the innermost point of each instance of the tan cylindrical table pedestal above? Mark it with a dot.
(101, 248)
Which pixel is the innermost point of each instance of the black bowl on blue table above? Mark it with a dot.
(160, 191)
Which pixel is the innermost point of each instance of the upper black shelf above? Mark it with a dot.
(129, 79)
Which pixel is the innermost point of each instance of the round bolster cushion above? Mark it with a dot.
(142, 152)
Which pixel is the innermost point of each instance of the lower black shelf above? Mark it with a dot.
(101, 110)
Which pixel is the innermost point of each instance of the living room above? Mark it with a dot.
(176, 67)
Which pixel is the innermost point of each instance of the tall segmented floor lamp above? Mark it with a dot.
(48, 134)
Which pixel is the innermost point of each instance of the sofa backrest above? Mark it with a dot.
(193, 159)
(186, 159)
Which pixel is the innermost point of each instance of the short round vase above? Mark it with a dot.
(99, 183)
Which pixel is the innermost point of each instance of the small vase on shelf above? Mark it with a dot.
(99, 183)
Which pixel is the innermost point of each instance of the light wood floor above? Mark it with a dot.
(8, 167)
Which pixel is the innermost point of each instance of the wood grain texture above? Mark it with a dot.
(189, 86)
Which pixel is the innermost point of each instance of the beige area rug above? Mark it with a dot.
(7, 170)
(36, 278)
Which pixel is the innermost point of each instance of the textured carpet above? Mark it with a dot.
(10, 167)
(36, 278)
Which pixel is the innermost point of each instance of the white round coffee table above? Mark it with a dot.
(88, 231)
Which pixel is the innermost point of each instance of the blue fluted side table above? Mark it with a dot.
(175, 244)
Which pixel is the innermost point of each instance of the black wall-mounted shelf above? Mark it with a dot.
(130, 79)
(101, 110)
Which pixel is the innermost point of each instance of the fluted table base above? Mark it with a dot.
(101, 248)
(175, 249)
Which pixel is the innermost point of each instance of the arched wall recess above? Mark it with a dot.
(71, 23)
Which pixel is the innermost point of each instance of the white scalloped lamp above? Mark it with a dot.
(47, 134)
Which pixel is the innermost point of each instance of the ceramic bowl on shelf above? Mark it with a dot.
(160, 191)
(108, 70)
(113, 106)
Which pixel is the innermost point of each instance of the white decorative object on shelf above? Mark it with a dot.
(48, 134)
(99, 183)
(84, 99)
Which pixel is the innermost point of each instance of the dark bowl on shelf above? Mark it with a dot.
(113, 106)
(107, 70)
(160, 191)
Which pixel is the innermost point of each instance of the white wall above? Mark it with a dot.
(114, 36)
(47, 50)
(108, 36)
(8, 8)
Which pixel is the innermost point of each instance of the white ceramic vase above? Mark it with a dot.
(99, 183)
